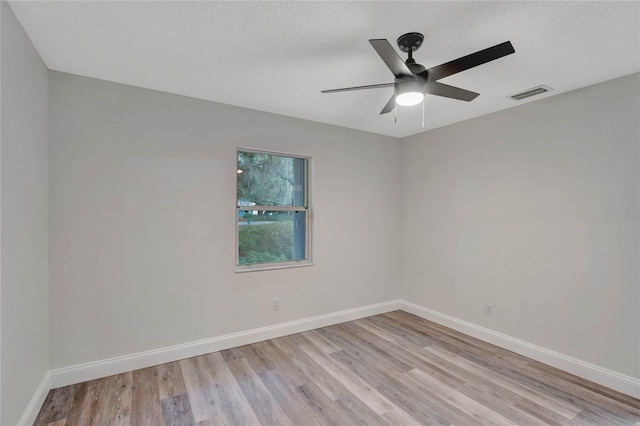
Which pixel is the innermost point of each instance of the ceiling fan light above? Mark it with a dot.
(409, 98)
(409, 92)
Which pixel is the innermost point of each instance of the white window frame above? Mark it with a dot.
(308, 260)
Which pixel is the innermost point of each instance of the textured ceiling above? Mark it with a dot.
(277, 56)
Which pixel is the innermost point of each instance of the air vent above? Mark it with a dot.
(531, 92)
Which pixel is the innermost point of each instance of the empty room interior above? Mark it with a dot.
(314, 213)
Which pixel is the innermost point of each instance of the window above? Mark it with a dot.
(272, 209)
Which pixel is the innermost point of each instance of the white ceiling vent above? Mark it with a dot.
(531, 92)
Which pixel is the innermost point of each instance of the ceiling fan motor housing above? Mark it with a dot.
(415, 84)
(415, 68)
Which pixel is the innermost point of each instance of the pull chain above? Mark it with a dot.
(423, 113)
(395, 114)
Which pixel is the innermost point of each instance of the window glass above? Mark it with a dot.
(272, 210)
(270, 180)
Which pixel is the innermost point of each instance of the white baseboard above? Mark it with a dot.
(94, 370)
(37, 400)
(611, 379)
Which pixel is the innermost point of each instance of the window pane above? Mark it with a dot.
(270, 180)
(271, 236)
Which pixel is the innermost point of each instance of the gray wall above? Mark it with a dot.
(142, 211)
(513, 208)
(24, 288)
(510, 208)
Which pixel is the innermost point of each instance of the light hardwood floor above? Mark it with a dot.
(393, 368)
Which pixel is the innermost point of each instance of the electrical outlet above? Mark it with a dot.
(488, 309)
(276, 304)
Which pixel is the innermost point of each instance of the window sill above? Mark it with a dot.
(272, 266)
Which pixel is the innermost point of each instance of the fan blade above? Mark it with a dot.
(441, 89)
(391, 58)
(390, 105)
(473, 60)
(347, 89)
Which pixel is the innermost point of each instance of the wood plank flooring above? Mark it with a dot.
(393, 369)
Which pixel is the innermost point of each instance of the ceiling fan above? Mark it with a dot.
(413, 81)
